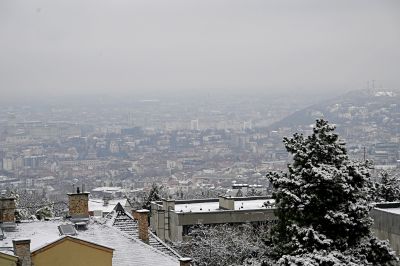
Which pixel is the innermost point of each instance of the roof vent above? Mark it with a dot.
(67, 230)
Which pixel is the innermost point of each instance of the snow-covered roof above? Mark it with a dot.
(197, 207)
(251, 204)
(213, 206)
(107, 189)
(390, 210)
(127, 250)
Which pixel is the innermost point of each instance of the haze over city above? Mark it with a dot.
(56, 48)
(199, 132)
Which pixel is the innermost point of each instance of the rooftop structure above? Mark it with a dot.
(386, 223)
(7, 214)
(172, 219)
(102, 207)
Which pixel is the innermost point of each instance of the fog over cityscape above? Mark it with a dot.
(74, 47)
(199, 132)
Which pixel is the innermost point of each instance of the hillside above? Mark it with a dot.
(372, 108)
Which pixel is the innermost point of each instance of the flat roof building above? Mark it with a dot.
(387, 223)
(172, 219)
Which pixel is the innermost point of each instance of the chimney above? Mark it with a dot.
(7, 210)
(22, 249)
(185, 261)
(106, 200)
(143, 224)
(78, 204)
(168, 204)
(226, 203)
(135, 215)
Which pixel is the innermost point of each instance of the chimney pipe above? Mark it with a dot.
(143, 224)
(22, 249)
(185, 261)
(7, 210)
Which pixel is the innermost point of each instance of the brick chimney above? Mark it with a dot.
(135, 215)
(7, 210)
(185, 261)
(22, 249)
(143, 224)
(78, 204)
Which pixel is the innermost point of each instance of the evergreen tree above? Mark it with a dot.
(323, 205)
(388, 189)
(154, 195)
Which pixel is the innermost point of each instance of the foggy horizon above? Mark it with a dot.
(199, 132)
(72, 48)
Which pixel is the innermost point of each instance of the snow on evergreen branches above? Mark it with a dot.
(323, 205)
(388, 188)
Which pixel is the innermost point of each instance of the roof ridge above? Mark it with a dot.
(64, 238)
(165, 245)
(122, 212)
(138, 241)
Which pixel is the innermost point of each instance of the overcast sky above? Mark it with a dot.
(118, 46)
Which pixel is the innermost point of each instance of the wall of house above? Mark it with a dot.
(178, 220)
(67, 253)
(386, 227)
(6, 260)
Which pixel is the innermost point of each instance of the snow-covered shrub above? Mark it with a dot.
(387, 188)
(224, 245)
(44, 213)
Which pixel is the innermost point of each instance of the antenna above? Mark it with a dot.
(364, 154)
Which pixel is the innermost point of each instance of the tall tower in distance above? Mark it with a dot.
(194, 124)
(247, 125)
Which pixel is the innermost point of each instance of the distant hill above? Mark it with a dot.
(378, 107)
